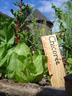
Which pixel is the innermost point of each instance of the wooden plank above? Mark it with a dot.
(55, 64)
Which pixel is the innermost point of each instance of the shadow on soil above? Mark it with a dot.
(52, 92)
(2, 94)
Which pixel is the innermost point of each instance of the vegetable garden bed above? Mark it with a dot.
(9, 88)
(22, 58)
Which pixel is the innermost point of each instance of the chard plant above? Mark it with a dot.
(20, 58)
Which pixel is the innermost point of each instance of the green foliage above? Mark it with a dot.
(69, 66)
(22, 61)
(65, 21)
(6, 28)
(18, 62)
(21, 65)
(60, 18)
(68, 32)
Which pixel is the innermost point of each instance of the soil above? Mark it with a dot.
(10, 88)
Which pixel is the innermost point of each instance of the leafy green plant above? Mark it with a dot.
(20, 64)
(18, 59)
(69, 66)
(65, 22)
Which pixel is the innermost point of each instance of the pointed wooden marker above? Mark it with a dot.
(55, 64)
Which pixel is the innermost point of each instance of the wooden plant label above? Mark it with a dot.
(55, 64)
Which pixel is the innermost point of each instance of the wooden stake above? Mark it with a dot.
(55, 64)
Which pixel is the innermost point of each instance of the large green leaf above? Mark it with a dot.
(22, 66)
(2, 49)
(69, 66)
(37, 61)
(3, 56)
(69, 60)
(22, 49)
(11, 41)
